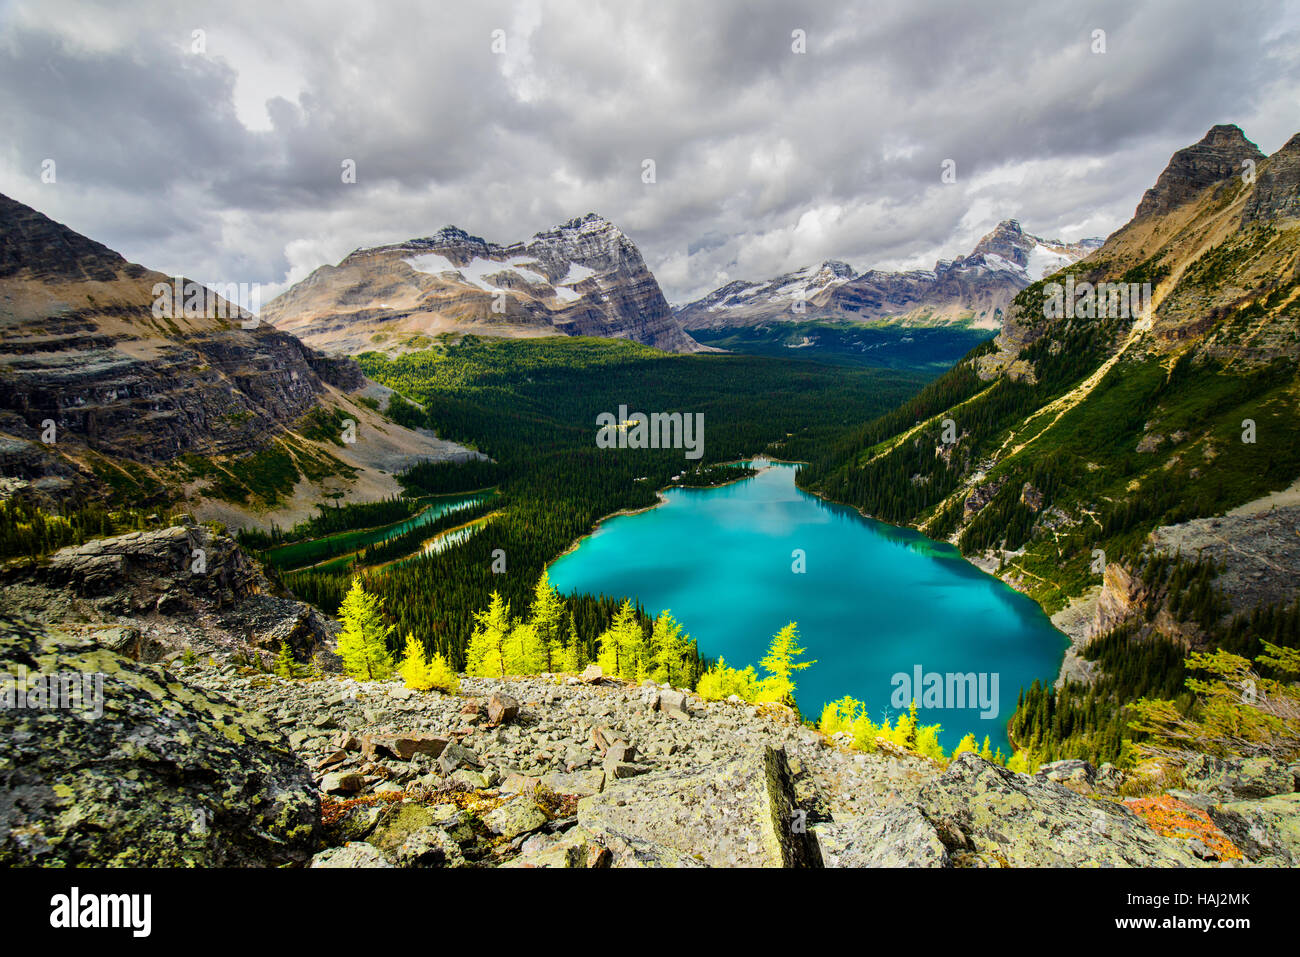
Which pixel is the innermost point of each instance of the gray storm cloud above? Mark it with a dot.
(224, 162)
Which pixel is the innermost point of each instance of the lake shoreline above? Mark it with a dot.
(708, 545)
(1073, 621)
(662, 500)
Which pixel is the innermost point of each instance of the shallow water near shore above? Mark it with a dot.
(875, 602)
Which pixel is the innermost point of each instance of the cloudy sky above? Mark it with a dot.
(219, 154)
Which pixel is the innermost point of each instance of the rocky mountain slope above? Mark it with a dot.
(105, 380)
(970, 290)
(1075, 435)
(584, 278)
(213, 763)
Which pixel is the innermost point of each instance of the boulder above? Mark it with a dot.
(456, 756)
(1071, 772)
(354, 824)
(592, 674)
(402, 746)
(736, 813)
(673, 703)
(899, 836)
(572, 848)
(428, 846)
(342, 782)
(1267, 830)
(1238, 778)
(602, 739)
(475, 780)
(502, 708)
(620, 751)
(986, 815)
(520, 815)
(1109, 778)
(615, 770)
(355, 854)
(144, 771)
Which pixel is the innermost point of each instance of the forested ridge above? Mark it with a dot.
(1054, 497)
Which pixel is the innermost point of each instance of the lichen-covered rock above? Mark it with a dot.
(355, 854)
(156, 594)
(570, 849)
(1267, 831)
(899, 836)
(164, 775)
(738, 812)
(988, 816)
(520, 815)
(1238, 778)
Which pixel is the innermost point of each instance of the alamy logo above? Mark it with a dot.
(75, 909)
(193, 300)
(659, 430)
(1104, 300)
(64, 690)
(931, 689)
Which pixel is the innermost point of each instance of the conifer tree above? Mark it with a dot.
(285, 666)
(526, 653)
(363, 643)
(781, 665)
(670, 651)
(622, 644)
(412, 667)
(965, 744)
(486, 653)
(547, 618)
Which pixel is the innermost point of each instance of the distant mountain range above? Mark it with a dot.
(972, 290)
(584, 277)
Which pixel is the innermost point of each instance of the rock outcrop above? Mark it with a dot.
(157, 594)
(737, 813)
(1277, 188)
(583, 278)
(987, 816)
(139, 769)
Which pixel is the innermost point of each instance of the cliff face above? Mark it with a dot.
(972, 290)
(81, 347)
(584, 278)
(95, 370)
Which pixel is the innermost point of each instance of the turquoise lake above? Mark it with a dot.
(874, 601)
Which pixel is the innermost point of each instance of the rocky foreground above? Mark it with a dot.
(212, 764)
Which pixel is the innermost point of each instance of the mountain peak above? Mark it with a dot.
(31, 240)
(1219, 155)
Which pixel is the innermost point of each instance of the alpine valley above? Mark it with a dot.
(307, 554)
